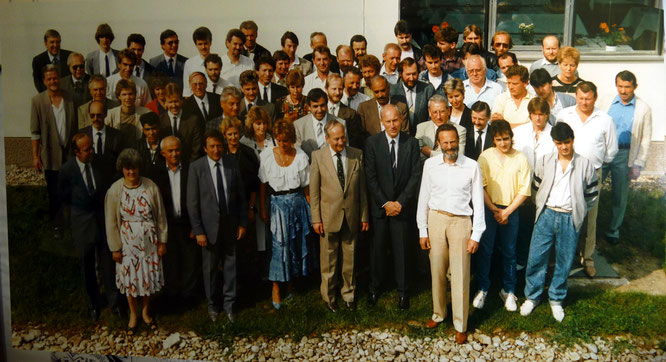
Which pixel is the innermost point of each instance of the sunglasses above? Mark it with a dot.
(78, 66)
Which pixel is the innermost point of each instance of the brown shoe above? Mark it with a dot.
(590, 270)
(430, 324)
(461, 337)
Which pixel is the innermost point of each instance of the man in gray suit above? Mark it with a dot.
(76, 84)
(413, 92)
(104, 60)
(310, 128)
(218, 214)
(97, 86)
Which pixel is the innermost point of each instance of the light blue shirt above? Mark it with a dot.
(623, 116)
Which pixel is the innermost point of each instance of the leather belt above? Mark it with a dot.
(447, 213)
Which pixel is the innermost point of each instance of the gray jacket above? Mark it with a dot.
(583, 184)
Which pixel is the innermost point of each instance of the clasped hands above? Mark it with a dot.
(393, 208)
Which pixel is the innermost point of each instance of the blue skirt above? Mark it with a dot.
(292, 255)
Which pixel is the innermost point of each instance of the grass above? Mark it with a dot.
(46, 289)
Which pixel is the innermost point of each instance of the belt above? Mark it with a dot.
(287, 192)
(447, 213)
(559, 209)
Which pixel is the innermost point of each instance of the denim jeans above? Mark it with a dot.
(506, 236)
(619, 171)
(551, 227)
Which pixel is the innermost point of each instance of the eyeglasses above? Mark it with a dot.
(501, 45)
(78, 66)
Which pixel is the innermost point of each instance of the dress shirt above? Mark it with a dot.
(94, 137)
(82, 169)
(152, 151)
(392, 78)
(61, 121)
(213, 175)
(552, 68)
(178, 120)
(410, 95)
(297, 61)
(313, 81)
(512, 113)
(379, 110)
(333, 108)
(194, 64)
(560, 193)
(357, 99)
(249, 104)
(174, 61)
(142, 91)
(450, 188)
(216, 87)
(265, 88)
(595, 139)
(397, 145)
(174, 182)
(482, 135)
(232, 71)
(320, 137)
(102, 62)
(51, 56)
(623, 116)
(488, 92)
(343, 158)
(141, 68)
(203, 103)
(562, 100)
(524, 138)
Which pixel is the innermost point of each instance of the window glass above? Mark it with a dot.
(425, 16)
(529, 21)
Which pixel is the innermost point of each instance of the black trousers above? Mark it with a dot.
(391, 233)
(98, 253)
(182, 262)
(51, 177)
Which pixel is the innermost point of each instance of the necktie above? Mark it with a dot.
(349, 101)
(89, 179)
(334, 110)
(320, 132)
(394, 161)
(78, 87)
(221, 195)
(477, 145)
(106, 61)
(171, 66)
(175, 126)
(205, 112)
(249, 106)
(138, 72)
(341, 171)
(214, 88)
(55, 61)
(99, 143)
(266, 93)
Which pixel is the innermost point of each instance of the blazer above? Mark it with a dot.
(305, 66)
(258, 52)
(84, 109)
(43, 128)
(161, 178)
(42, 59)
(369, 115)
(466, 120)
(268, 107)
(470, 149)
(306, 138)
(423, 76)
(150, 163)
(423, 93)
(277, 91)
(148, 71)
(191, 107)
(382, 185)
(190, 133)
(134, 130)
(67, 83)
(202, 206)
(641, 132)
(114, 142)
(329, 202)
(159, 63)
(92, 62)
(354, 126)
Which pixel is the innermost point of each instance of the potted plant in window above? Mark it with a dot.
(526, 33)
(613, 36)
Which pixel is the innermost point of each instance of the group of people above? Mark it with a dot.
(450, 149)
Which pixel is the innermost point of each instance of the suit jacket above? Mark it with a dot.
(329, 202)
(86, 210)
(190, 132)
(277, 91)
(133, 131)
(114, 143)
(84, 109)
(148, 71)
(42, 59)
(161, 178)
(67, 83)
(160, 65)
(92, 62)
(202, 206)
(423, 93)
(258, 52)
(470, 149)
(305, 66)
(355, 129)
(268, 107)
(150, 163)
(641, 130)
(383, 186)
(191, 107)
(43, 127)
(466, 120)
(369, 115)
(306, 138)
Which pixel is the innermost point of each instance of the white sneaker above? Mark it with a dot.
(509, 300)
(479, 299)
(558, 312)
(527, 307)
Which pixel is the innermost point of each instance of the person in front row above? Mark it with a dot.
(450, 182)
(506, 179)
(567, 187)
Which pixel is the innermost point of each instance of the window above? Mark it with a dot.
(529, 21)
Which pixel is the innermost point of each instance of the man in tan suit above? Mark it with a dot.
(369, 110)
(339, 206)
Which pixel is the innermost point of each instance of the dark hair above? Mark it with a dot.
(295, 77)
(159, 80)
(355, 71)
(538, 104)
(248, 76)
(407, 62)
(586, 86)
(249, 25)
(357, 39)
(235, 33)
(172, 89)
(280, 55)
(288, 35)
(124, 84)
(264, 59)
(518, 70)
(202, 33)
(370, 60)
(284, 128)
(447, 34)
(446, 127)
(321, 49)
(432, 51)
(471, 48)
(167, 34)
(136, 38)
(561, 132)
(127, 54)
(76, 138)
(499, 127)
(213, 133)
(472, 28)
(626, 76)
(51, 33)
(539, 77)
(150, 118)
(401, 27)
(481, 106)
(104, 31)
(507, 55)
(316, 94)
(128, 158)
(213, 58)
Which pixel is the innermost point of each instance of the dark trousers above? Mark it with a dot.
(393, 233)
(51, 177)
(526, 216)
(219, 269)
(182, 262)
(98, 253)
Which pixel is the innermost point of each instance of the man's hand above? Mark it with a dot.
(365, 226)
(201, 240)
(161, 249)
(472, 246)
(241, 233)
(425, 243)
(503, 217)
(37, 164)
(634, 172)
(393, 208)
(117, 256)
(318, 228)
(496, 116)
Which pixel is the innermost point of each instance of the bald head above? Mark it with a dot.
(550, 46)
(381, 89)
(97, 114)
(391, 120)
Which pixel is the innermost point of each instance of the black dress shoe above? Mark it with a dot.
(373, 298)
(351, 305)
(403, 303)
(332, 307)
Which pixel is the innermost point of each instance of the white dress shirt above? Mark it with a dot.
(82, 169)
(177, 122)
(560, 193)
(141, 67)
(450, 188)
(482, 135)
(194, 64)
(102, 62)
(397, 145)
(142, 91)
(213, 174)
(61, 121)
(174, 182)
(488, 92)
(333, 109)
(232, 71)
(203, 104)
(313, 81)
(410, 95)
(524, 138)
(216, 87)
(595, 139)
(343, 158)
(357, 99)
(269, 93)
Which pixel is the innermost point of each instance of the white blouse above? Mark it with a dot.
(296, 175)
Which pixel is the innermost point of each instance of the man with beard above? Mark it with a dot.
(412, 92)
(215, 83)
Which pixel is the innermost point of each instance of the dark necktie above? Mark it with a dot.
(78, 87)
(175, 126)
(249, 106)
(349, 101)
(214, 87)
(171, 67)
(55, 61)
(341, 171)
(477, 145)
(99, 143)
(89, 179)
(138, 72)
(394, 163)
(266, 94)
(205, 112)
(221, 196)
(106, 61)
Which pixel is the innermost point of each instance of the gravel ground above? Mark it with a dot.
(336, 345)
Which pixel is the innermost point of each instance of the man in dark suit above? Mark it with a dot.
(108, 142)
(176, 123)
(479, 140)
(268, 91)
(149, 144)
(82, 184)
(170, 62)
(76, 84)
(97, 88)
(53, 55)
(249, 81)
(201, 104)
(182, 265)
(393, 172)
(218, 214)
(251, 49)
(230, 100)
(413, 92)
(369, 111)
(335, 90)
(103, 61)
(137, 44)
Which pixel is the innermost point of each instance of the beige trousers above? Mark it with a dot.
(336, 258)
(448, 250)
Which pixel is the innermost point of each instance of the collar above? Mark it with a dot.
(617, 99)
(343, 153)
(247, 102)
(324, 120)
(212, 163)
(178, 168)
(389, 139)
(545, 61)
(297, 60)
(179, 115)
(166, 57)
(333, 105)
(51, 56)
(81, 164)
(81, 80)
(95, 130)
(484, 130)
(458, 162)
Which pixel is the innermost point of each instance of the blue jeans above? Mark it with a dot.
(551, 227)
(506, 236)
(619, 171)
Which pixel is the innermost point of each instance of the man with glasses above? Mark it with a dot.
(76, 83)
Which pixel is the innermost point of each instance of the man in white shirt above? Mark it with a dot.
(449, 183)
(540, 80)
(477, 87)
(352, 97)
(403, 35)
(550, 45)
(322, 61)
(215, 83)
(595, 140)
(203, 39)
(391, 58)
(126, 63)
(237, 62)
(511, 105)
(479, 140)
